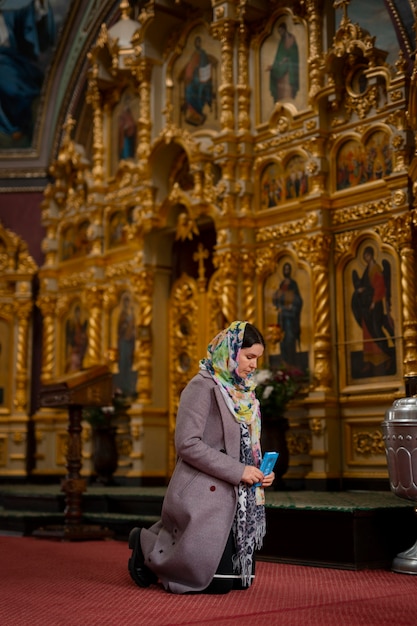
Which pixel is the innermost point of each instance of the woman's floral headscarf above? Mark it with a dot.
(222, 363)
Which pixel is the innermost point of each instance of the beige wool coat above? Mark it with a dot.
(184, 548)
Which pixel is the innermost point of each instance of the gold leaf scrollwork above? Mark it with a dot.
(298, 443)
(367, 443)
(226, 291)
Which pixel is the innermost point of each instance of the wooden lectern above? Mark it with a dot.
(88, 388)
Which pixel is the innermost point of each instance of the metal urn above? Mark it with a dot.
(400, 436)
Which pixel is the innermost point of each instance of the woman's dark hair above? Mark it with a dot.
(252, 335)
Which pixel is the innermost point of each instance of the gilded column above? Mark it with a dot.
(224, 31)
(50, 241)
(47, 305)
(244, 185)
(248, 265)
(143, 72)
(109, 302)
(314, 59)
(242, 88)
(143, 285)
(94, 98)
(402, 236)
(94, 300)
(317, 250)
(23, 311)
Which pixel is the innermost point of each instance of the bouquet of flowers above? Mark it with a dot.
(276, 387)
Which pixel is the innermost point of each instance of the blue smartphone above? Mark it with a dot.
(268, 464)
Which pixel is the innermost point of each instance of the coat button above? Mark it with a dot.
(212, 488)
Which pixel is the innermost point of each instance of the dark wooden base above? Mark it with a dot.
(338, 539)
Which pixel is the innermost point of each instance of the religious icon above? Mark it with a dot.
(197, 76)
(125, 379)
(296, 178)
(272, 186)
(68, 243)
(287, 316)
(371, 307)
(76, 340)
(198, 84)
(284, 80)
(117, 236)
(358, 164)
(127, 130)
(288, 302)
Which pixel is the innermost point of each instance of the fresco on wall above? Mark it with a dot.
(358, 164)
(28, 33)
(279, 184)
(283, 67)
(195, 78)
(372, 314)
(287, 315)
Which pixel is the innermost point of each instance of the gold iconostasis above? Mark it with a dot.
(218, 166)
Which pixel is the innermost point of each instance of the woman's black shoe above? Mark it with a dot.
(138, 571)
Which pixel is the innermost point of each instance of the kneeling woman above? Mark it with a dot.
(213, 517)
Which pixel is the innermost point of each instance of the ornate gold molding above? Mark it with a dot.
(367, 443)
(224, 285)
(298, 443)
(361, 211)
(289, 229)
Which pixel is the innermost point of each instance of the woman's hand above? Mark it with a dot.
(252, 475)
(268, 480)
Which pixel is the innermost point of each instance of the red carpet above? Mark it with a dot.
(48, 583)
